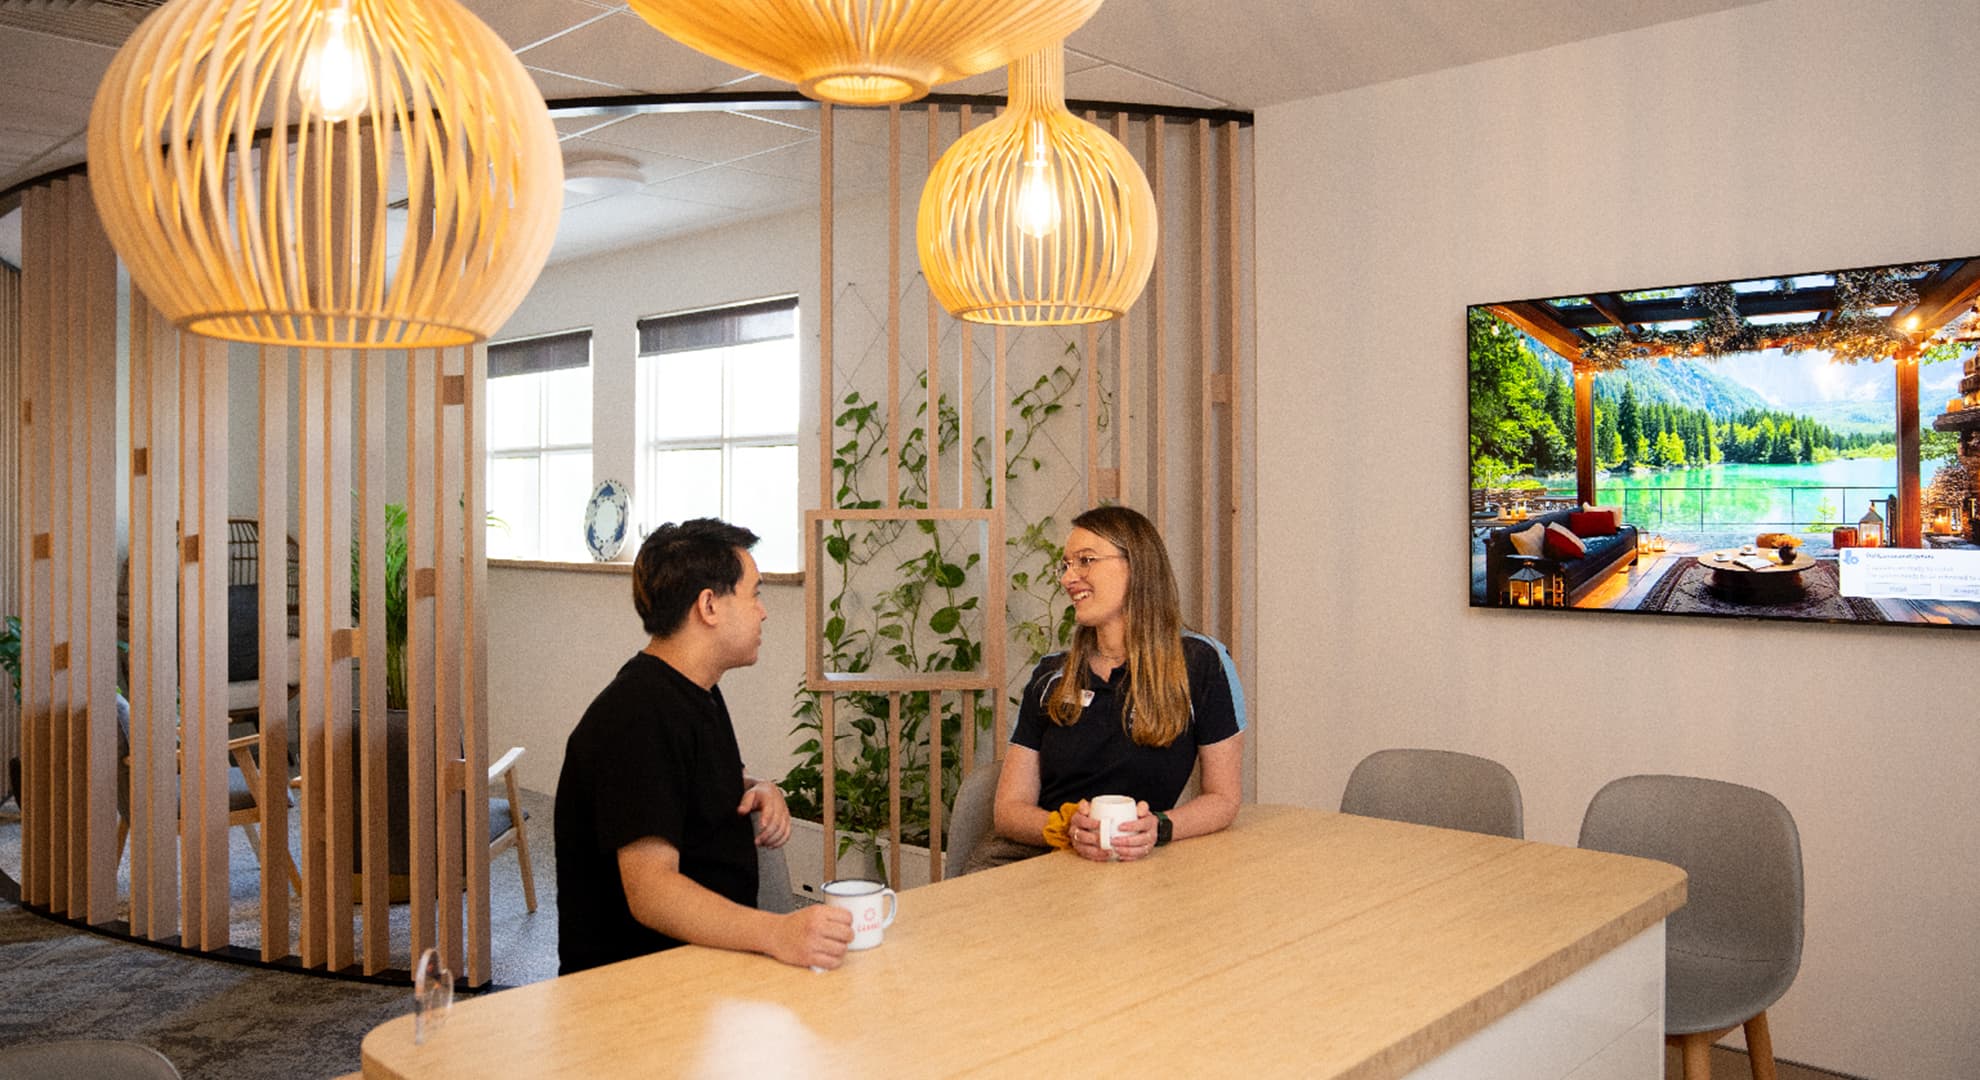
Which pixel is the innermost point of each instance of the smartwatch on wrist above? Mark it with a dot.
(1165, 830)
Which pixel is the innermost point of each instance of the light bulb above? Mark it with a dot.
(1037, 204)
(331, 82)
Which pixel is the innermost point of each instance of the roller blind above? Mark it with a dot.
(552, 353)
(740, 325)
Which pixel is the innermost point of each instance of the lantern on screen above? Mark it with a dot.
(1940, 517)
(1526, 587)
(1870, 528)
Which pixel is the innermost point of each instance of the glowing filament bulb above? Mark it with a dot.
(331, 82)
(1037, 203)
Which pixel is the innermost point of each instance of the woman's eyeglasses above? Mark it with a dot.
(1081, 562)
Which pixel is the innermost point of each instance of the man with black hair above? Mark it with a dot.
(654, 844)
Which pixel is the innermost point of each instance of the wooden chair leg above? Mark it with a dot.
(522, 842)
(1760, 1047)
(1696, 1050)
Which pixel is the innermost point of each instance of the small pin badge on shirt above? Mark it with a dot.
(1085, 698)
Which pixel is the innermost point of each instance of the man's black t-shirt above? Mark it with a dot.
(655, 755)
(1095, 755)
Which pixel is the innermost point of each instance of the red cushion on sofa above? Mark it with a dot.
(1563, 544)
(1593, 523)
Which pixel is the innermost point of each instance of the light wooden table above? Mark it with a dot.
(1299, 942)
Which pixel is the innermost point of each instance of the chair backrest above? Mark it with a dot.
(971, 819)
(1437, 787)
(244, 564)
(101, 1059)
(773, 878)
(1740, 848)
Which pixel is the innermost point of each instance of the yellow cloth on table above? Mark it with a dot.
(1059, 826)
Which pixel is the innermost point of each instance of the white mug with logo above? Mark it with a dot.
(872, 904)
(1112, 811)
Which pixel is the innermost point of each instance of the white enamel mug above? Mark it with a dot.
(872, 904)
(1112, 811)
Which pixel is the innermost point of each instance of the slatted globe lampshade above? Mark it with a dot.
(866, 52)
(1038, 217)
(327, 173)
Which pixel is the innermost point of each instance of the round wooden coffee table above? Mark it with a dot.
(1772, 583)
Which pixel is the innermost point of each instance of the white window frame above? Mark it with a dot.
(649, 444)
(543, 448)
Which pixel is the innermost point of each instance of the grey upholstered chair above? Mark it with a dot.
(85, 1059)
(1735, 946)
(971, 818)
(773, 877)
(1436, 787)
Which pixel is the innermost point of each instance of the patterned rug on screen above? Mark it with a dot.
(1687, 589)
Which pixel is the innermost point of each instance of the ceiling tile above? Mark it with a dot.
(524, 25)
(628, 220)
(655, 165)
(1109, 83)
(712, 137)
(738, 190)
(553, 85)
(624, 50)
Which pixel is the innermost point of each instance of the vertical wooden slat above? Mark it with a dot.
(893, 305)
(339, 730)
(1090, 374)
(474, 627)
(37, 572)
(934, 422)
(373, 844)
(1123, 383)
(894, 783)
(154, 839)
(825, 293)
(98, 531)
(1206, 515)
(1234, 388)
(422, 510)
(994, 538)
(447, 676)
(272, 561)
(1158, 346)
(313, 433)
(203, 641)
(10, 502)
(934, 783)
(965, 390)
(64, 543)
(828, 732)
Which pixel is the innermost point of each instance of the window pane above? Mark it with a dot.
(512, 490)
(567, 406)
(566, 489)
(763, 498)
(685, 484)
(763, 388)
(514, 412)
(686, 401)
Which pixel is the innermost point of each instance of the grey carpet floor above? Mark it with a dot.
(523, 946)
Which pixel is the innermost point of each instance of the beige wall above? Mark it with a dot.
(1787, 136)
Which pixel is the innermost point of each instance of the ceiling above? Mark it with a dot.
(698, 170)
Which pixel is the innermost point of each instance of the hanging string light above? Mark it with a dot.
(1037, 217)
(347, 173)
(866, 52)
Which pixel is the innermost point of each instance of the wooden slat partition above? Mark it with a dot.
(1233, 399)
(1206, 516)
(61, 463)
(827, 287)
(1157, 300)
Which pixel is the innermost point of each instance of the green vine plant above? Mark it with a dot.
(921, 621)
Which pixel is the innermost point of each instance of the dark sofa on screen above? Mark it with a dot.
(1606, 554)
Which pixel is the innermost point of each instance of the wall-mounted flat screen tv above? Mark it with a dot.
(1799, 446)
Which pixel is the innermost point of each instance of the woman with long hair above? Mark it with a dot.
(1131, 707)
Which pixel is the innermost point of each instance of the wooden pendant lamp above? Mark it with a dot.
(866, 52)
(326, 173)
(1037, 218)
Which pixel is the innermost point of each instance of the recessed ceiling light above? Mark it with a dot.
(593, 176)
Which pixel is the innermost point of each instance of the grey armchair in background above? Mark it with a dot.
(1437, 787)
(85, 1059)
(971, 819)
(1735, 946)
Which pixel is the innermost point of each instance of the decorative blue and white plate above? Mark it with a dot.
(605, 520)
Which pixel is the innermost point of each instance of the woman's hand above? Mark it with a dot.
(1132, 839)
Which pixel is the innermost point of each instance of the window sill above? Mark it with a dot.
(792, 578)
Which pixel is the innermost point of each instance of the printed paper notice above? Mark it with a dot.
(1910, 574)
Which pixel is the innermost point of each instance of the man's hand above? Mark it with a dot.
(814, 937)
(774, 827)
